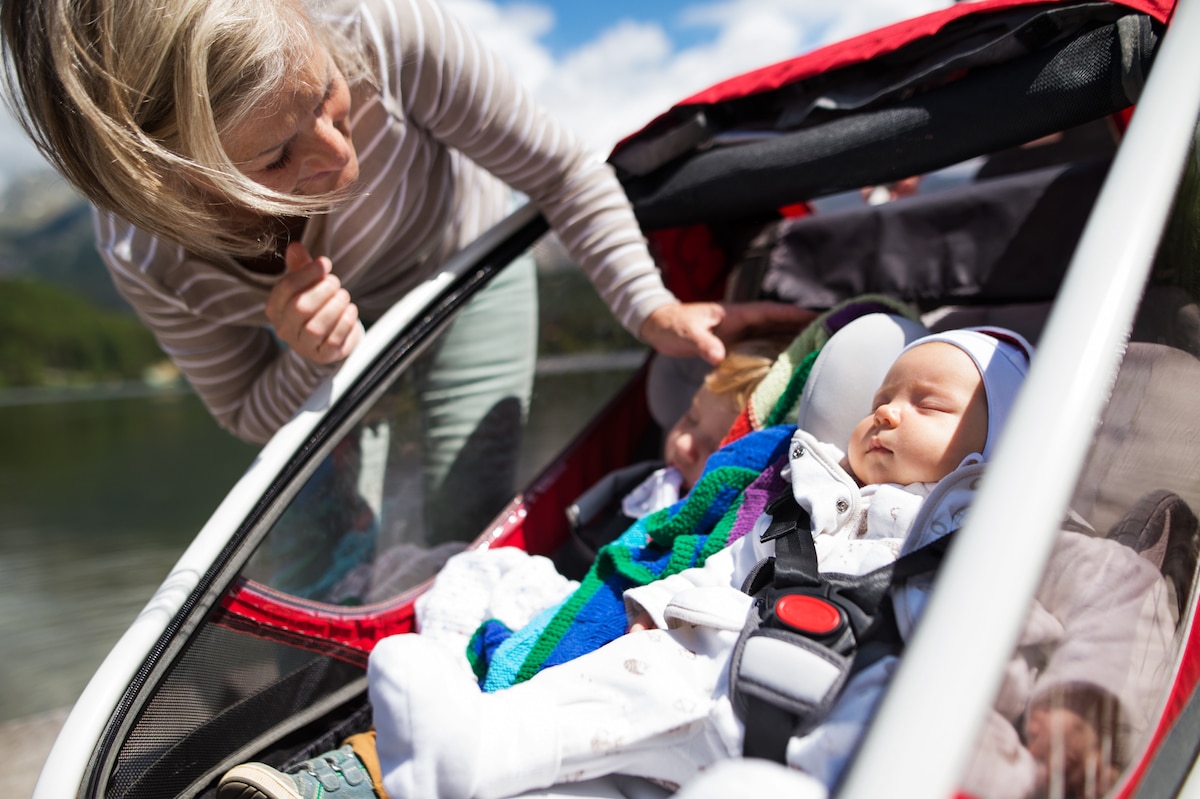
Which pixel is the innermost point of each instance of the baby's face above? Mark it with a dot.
(698, 433)
(930, 412)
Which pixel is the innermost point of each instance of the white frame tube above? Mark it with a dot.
(925, 731)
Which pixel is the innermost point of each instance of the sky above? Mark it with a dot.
(607, 67)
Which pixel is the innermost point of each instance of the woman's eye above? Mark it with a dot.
(285, 158)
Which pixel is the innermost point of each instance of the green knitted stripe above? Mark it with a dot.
(683, 550)
(475, 659)
(674, 531)
(593, 581)
(702, 497)
(718, 539)
(662, 529)
(694, 549)
(478, 664)
(791, 394)
(623, 563)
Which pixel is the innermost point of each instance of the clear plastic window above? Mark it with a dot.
(1086, 690)
(485, 407)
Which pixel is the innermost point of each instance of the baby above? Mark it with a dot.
(655, 702)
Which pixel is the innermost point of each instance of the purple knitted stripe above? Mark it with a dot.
(844, 316)
(756, 496)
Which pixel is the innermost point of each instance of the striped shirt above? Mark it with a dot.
(438, 140)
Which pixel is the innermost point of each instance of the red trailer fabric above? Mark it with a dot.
(864, 48)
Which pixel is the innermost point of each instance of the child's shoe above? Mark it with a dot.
(339, 771)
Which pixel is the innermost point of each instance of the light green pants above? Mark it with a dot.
(473, 388)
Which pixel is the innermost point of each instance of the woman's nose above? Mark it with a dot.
(330, 147)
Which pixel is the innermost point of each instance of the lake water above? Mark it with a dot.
(99, 497)
(97, 500)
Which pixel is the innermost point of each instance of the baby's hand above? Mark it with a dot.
(1070, 751)
(640, 622)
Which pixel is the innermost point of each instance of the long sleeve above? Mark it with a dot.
(213, 328)
(460, 93)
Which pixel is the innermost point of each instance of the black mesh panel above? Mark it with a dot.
(224, 692)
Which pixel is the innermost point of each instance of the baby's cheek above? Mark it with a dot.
(705, 447)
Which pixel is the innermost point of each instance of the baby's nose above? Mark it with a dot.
(685, 445)
(887, 414)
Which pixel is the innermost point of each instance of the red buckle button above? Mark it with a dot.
(808, 614)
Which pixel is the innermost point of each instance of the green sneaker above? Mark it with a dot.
(339, 771)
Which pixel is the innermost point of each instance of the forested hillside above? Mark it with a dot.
(50, 336)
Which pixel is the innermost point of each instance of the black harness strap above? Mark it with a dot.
(811, 632)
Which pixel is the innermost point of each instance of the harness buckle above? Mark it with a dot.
(809, 615)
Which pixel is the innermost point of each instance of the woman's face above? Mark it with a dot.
(300, 145)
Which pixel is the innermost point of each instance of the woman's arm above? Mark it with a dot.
(214, 329)
(449, 83)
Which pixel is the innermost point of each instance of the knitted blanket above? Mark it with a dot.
(661, 544)
(733, 491)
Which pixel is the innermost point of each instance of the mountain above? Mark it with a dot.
(46, 234)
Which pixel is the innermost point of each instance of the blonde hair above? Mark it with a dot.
(743, 368)
(129, 100)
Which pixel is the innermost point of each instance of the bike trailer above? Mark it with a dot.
(1059, 187)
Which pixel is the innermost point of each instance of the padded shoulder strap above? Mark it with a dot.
(810, 632)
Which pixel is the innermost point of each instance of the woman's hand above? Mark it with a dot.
(310, 310)
(705, 328)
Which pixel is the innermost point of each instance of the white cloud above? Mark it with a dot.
(630, 72)
(511, 33)
(803, 24)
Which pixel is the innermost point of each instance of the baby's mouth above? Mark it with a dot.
(875, 445)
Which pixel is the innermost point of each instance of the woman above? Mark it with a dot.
(267, 174)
